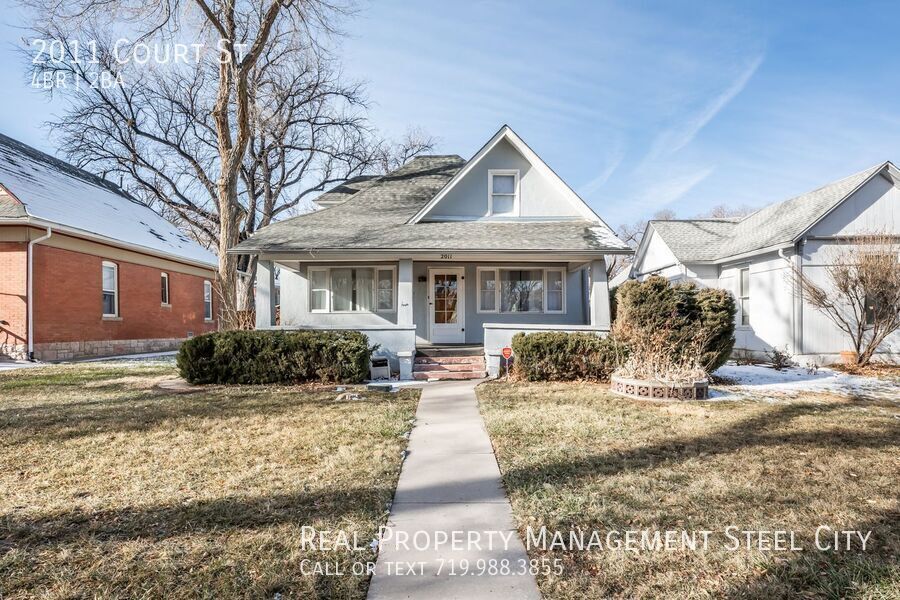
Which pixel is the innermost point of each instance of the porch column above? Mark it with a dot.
(599, 295)
(265, 294)
(405, 292)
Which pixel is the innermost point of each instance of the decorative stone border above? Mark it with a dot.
(657, 390)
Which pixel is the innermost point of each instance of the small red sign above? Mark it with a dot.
(507, 353)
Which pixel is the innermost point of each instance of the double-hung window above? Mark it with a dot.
(207, 301)
(555, 291)
(744, 295)
(503, 193)
(164, 288)
(352, 289)
(110, 289)
(521, 290)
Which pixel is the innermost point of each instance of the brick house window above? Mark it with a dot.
(207, 301)
(110, 289)
(164, 284)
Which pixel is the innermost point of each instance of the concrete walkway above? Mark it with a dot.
(449, 508)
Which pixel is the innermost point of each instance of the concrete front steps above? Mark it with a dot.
(440, 366)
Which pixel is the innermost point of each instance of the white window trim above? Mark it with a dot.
(208, 284)
(114, 291)
(394, 286)
(497, 269)
(329, 294)
(309, 272)
(168, 300)
(478, 272)
(516, 204)
(740, 297)
(562, 275)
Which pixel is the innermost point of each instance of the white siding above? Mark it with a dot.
(771, 303)
(658, 259)
(875, 207)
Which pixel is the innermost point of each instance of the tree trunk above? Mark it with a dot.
(229, 235)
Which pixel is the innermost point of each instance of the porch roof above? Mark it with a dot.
(375, 218)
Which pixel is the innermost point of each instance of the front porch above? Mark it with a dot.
(405, 305)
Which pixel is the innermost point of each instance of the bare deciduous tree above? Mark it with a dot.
(224, 142)
(723, 211)
(632, 234)
(861, 294)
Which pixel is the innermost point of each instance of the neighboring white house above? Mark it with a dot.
(753, 257)
(442, 251)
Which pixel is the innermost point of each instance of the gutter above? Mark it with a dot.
(81, 233)
(656, 270)
(325, 252)
(29, 302)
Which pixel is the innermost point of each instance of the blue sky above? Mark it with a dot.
(638, 106)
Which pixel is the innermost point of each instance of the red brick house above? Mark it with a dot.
(107, 274)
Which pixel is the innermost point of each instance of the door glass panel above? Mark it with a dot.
(445, 290)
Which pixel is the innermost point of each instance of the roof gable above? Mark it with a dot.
(522, 159)
(776, 225)
(377, 218)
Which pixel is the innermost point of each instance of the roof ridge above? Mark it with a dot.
(64, 166)
(699, 219)
(874, 168)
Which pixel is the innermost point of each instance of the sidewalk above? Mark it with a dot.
(450, 488)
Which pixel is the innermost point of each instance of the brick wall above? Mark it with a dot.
(68, 301)
(13, 308)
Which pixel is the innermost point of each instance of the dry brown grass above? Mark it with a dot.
(108, 489)
(575, 456)
(887, 371)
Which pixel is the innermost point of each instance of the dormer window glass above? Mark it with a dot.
(503, 193)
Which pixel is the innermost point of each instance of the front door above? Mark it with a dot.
(446, 300)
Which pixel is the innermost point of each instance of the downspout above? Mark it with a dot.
(29, 301)
(796, 299)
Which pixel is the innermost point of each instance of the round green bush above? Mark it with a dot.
(259, 357)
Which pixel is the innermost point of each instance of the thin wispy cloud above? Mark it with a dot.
(597, 182)
(683, 133)
(670, 188)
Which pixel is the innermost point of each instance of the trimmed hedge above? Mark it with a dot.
(559, 356)
(255, 357)
(684, 311)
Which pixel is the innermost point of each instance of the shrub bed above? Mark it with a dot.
(559, 356)
(256, 357)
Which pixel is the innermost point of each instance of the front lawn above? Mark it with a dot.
(575, 457)
(111, 489)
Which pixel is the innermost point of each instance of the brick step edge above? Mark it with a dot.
(426, 375)
(446, 368)
(450, 360)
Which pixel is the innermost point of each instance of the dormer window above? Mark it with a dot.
(503, 193)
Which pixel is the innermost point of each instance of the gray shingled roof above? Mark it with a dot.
(342, 192)
(696, 239)
(376, 218)
(783, 223)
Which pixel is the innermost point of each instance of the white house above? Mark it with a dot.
(753, 257)
(444, 258)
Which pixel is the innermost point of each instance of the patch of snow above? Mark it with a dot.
(9, 365)
(147, 356)
(758, 381)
